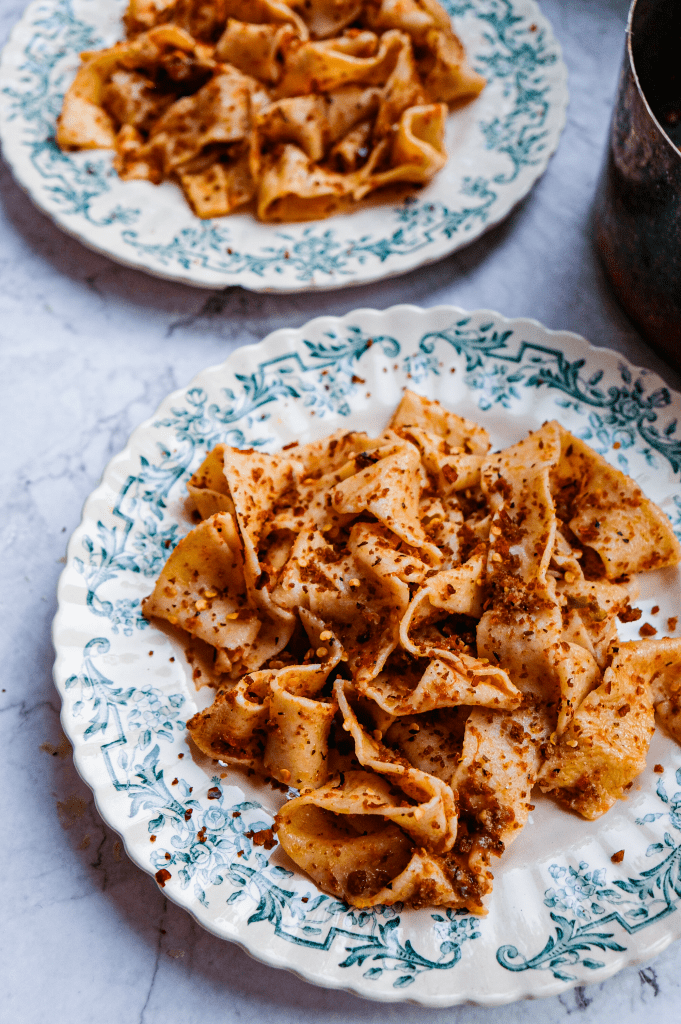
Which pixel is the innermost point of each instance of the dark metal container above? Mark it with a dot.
(638, 205)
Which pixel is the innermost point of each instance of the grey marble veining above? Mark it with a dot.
(87, 350)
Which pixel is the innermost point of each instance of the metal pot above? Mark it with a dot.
(638, 204)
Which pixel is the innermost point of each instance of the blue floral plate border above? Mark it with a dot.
(562, 912)
(499, 145)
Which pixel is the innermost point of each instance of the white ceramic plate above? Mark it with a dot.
(561, 913)
(498, 146)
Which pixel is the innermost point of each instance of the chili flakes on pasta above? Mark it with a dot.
(300, 109)
(413, 631)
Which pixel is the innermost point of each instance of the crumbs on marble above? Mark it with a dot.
(70, 810)
(63, 749)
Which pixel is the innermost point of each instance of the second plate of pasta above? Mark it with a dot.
(497, 146)
(574, 899)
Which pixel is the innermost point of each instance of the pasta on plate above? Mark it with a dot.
(299, 108)
(412, 632)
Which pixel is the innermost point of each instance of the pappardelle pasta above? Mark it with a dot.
(412, 632)
(301, 107)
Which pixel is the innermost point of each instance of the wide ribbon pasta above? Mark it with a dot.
(298, 111)
(413, 632)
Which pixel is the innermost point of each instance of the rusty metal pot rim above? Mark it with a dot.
(632, 65)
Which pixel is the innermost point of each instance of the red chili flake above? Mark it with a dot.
(647, 630)
(672, 623)
(264, 837)
(618, 857)
(214, 793)
(162, 876)
(188, 813)
(655, 609)
(658, 769)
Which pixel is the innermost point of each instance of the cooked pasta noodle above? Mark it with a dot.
(412, 632)
(300, 108)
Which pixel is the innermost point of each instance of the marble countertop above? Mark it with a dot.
(87, 350)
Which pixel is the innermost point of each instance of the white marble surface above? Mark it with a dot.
(87, 350)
